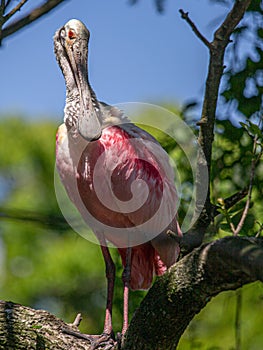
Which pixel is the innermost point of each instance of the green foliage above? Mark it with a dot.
(243, 80)
(231, 172)
(214, 327)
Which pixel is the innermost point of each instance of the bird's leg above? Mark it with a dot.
(106, 339)
(126, 277)
(110, 275)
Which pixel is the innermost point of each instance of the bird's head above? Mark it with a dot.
(71, 50)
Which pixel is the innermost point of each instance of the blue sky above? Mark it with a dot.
(135, 55)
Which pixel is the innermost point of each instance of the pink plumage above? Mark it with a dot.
(116, 174)
(126, 159)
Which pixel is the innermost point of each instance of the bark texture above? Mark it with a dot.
(188, 286)
(25, 328)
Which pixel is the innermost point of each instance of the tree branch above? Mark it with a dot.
(14, 10)
(24, 328)
(186, 288)
(32, 16)
(7, 3)
(251, 179)
(206, 133)
(231, 21)
(2, 11)
(230, 201)
(185, 16)
(194, 237)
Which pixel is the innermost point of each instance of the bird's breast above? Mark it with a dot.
(120, 180)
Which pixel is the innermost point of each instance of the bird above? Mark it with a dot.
(117, 175)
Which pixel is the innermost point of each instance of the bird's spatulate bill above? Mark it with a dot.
(88, 122)
(88, 125)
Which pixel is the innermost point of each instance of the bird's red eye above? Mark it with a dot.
(71, 34)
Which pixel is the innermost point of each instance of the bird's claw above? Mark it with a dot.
(104, 341)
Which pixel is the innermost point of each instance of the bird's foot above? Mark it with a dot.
(103, 341)
(119, 340)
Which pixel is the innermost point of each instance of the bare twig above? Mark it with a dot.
(226, 214)
(193, 238)
(237, 229)
(251, 179)
(32, 16)
(258, 234)
(7, 3)
(248, 192)
(2, 11)
(14, 10)
(245, 211)
(77, 320)
(185, 16)
(230, 201)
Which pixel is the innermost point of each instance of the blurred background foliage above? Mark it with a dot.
(45, 264)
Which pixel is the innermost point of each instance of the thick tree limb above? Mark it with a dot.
(24, 328)
(180, 294)
(170, 305)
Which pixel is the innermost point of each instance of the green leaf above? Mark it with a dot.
(249, 106)
(255, 6)
(260, 32)
(240, 29)
(254, 129)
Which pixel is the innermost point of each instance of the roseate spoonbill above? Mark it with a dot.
(95, 133)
